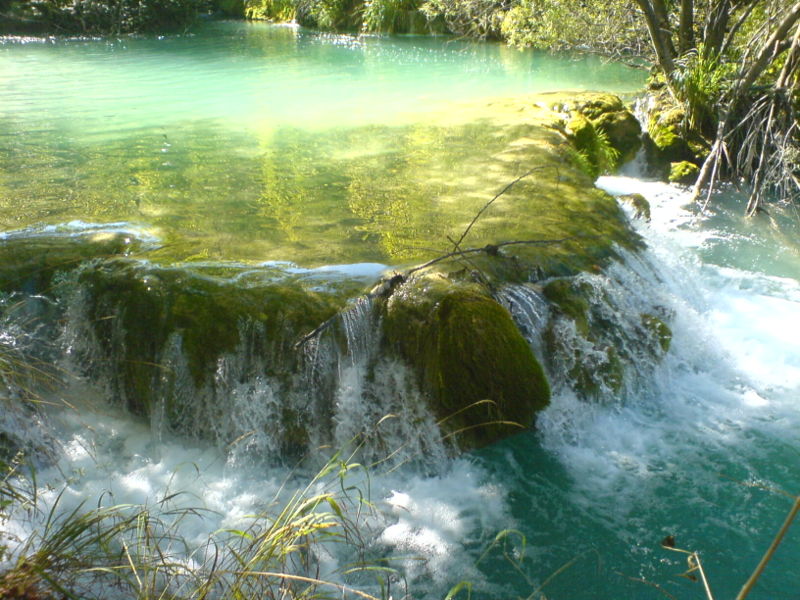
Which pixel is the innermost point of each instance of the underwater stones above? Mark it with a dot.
(640, 205)
(482, 377)
(29, 262)
(683, 172)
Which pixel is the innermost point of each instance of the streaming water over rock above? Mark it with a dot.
(149, 297)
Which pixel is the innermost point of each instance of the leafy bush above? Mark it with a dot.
(106, 16)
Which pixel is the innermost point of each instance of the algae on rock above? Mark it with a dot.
(482, 376)
(162, 332)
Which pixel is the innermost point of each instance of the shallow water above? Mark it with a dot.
(255, 142)
(176, 139)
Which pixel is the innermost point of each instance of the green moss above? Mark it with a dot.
(659, 330)
(623, 131)
(584, 137)
(639, 203)
(146, 305)
(683, 172)
(616, 125)
(665, 131)
(30, 263)
(466, 349)
(570, 300)
(596, 373)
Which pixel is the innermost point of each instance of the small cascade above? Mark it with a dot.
(530, 311)
(265, 399)
(377, 401)
(599, 335)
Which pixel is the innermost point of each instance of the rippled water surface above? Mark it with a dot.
(250, 141)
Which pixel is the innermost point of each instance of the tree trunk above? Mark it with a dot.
(715, 27)
(655, 17)
(686, 30)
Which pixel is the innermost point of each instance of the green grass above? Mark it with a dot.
(136, 551)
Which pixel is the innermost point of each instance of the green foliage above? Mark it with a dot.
(328, 15)
(473, 18)
(597, 154)
(109, 16)
(609, 26)
(700, 82)
(281, 11)
(389, 16)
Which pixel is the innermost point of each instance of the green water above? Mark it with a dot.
(255, 142)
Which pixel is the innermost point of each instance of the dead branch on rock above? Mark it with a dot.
(387, 286)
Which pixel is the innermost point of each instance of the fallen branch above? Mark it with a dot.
(388, 286)
(457, 244)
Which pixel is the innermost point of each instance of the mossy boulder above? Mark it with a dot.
(618, 127)
(135, 307)
(482, 377)
(684, 172)
(595, 340)
(640, 205)
(665, 130)
(570, 300)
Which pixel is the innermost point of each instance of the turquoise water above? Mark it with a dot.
(207, 141)
(181, 138)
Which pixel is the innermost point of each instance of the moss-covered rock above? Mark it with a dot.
(659, 331)
(136, 307)
(640, 205)
(683, 172)
(569, 298)
(28, 263)
(596, 340)
(618, 127)
(583, 135)
(481, 374)
(665, 131)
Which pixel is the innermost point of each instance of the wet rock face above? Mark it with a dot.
(138, 307)
(30, 260)
(484, 381)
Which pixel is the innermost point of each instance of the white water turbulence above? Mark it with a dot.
(695, 445)
(414, 510)
(705, 449)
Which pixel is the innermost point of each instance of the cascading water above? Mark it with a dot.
(689, 445)
(674, 409)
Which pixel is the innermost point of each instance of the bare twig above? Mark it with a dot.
(490, 202)
(389, 285)
(751, 582)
